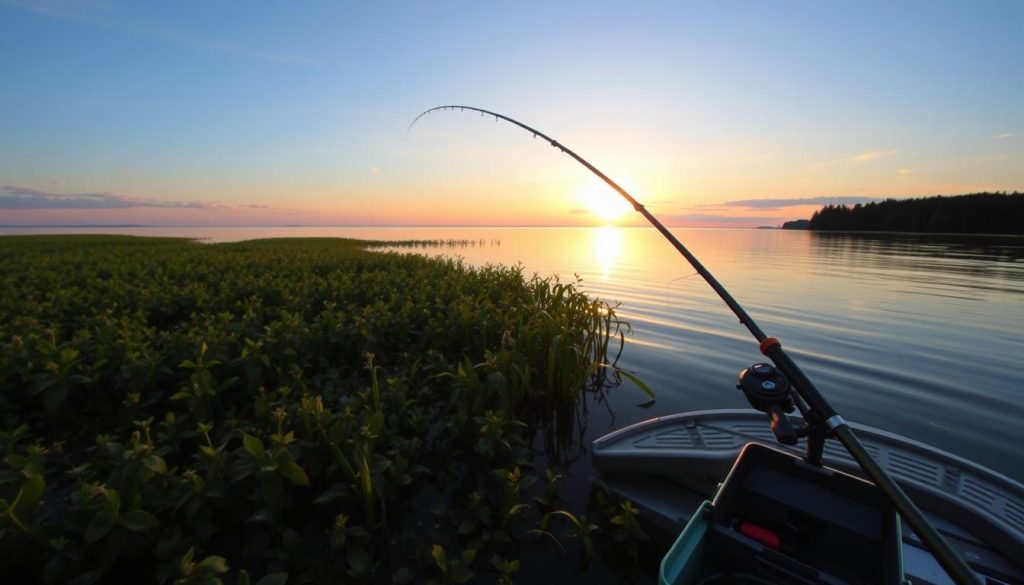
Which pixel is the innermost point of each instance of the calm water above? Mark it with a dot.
(919, 335)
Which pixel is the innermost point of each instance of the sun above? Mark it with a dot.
(603, 202)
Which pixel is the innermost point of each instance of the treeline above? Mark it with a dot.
(977, 213)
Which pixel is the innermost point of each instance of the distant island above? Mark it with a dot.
(977, 213)
(797, 224)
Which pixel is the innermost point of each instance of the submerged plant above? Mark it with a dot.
(200, 413)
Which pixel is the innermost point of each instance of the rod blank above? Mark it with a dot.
(947, 557)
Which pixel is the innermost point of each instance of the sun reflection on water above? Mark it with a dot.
(607, 248)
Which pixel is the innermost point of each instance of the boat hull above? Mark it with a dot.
(980, 511)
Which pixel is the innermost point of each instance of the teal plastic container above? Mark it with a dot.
(845, 529)
(684, 562)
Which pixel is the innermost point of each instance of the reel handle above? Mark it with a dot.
(784, 431)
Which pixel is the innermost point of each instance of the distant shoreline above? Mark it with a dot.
(975, 213)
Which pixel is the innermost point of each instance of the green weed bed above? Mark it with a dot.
(296, 410)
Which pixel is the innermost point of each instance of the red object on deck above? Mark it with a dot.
(762, 535)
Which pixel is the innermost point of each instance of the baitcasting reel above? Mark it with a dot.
(767, 390)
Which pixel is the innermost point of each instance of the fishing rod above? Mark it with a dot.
(772, 349)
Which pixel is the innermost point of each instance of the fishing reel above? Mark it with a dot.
(767, 390)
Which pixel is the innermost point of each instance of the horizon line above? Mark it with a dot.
(560, 226)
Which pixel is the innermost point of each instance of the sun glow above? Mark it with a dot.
(603, 202)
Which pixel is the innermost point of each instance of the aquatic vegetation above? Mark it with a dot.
(288, 409)
(437, 243)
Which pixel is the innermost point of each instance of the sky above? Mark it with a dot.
(725, 114)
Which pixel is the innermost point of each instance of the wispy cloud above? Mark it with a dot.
(14, 197)
(710, 218)
(858, 159)
(1003, 136)
(987, 157)
(770, 203)
(905, 171)
(871, 155)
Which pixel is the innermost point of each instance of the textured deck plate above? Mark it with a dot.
(705, 443)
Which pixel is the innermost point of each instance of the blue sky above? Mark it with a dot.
(236, 113)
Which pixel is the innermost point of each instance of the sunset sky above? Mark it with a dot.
(711, 113)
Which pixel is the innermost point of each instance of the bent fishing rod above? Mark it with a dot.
(772, 349)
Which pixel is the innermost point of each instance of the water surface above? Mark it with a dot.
(920, 335)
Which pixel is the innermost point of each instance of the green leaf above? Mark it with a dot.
(97, 529)
(139, 520)
(292, 471)
(55, 570)
(213, 564)
(113, 504)
(330, 494)
(639, 383)
(168, 546)
(358, 560)
(156, 464)
(461, 574)
(187, 558)
(254, 447)
(402, 576)
(467, 525)
(273, 579)
(88, 578)
(54, 398)
(16, 461)
(262, 515)
(28, 496)
(376, 422)
(497, 382)
(365, 480)
(439, 557)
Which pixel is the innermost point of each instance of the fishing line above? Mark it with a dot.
(666, 299)
(772, 349)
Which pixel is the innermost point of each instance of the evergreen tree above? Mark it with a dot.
(977, 213)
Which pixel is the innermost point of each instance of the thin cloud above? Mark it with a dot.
(987, 157)
(769, 203)
(857, 159)
(579, 210)
(1003, 136)
(905, 171)
(871, 155)
(13, 197)
(714, 218)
